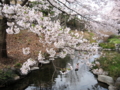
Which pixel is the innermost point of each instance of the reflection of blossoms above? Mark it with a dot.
(26, 51)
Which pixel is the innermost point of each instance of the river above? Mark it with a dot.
(48, 77)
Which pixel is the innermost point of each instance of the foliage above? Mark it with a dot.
(18, 65)
(94, 66)
(114, 39)
(110, 43)
(107, 45)
(8, 74)
(111, 62)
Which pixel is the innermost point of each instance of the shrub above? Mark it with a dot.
(8, 74)
(114, 39)
(107, 45)
(110, 44)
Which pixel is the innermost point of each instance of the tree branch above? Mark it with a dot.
(15, 2)
(7, 2)
(71, 10)
(24, 2)
(57, 7)
(1, 1)
(74, 11)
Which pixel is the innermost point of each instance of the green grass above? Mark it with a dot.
(114, 39)
(18, 65)
(110, 43)
(4, 75)
(107, 45)
(111, 63)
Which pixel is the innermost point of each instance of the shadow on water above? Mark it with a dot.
(46, 78)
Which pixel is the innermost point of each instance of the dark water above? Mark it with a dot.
(48, 77)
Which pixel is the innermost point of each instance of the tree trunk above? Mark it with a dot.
(3, 49)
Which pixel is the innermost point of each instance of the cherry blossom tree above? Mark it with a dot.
(101, 14)
(30, 15)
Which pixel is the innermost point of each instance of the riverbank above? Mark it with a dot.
(107, 69)
(47, 76)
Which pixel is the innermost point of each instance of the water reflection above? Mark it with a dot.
(78, 80)
(49, 78)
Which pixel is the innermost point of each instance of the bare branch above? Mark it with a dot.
(56, 7)
(75, 11)
(89, 19)
(15, 2)
(24, 2)
(71, 10)
(7, 2)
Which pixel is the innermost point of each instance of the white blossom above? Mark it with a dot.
(51, 51)
(10, 23)
(26, 51)
(62, 54)
(31, 62)
(59, 44)
(8, 9)
(16, 30)
(40, 56)
(26, 66)
(77, 35)
(10, 30)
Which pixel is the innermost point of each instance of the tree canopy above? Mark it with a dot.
(41, 18)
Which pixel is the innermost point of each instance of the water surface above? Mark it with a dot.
(48, 77)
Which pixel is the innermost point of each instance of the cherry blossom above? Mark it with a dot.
(26, 50)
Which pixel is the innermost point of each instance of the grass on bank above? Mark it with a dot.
(110, 43)
(6, 74)
(114, 39)
(105, 45)
(111, 62)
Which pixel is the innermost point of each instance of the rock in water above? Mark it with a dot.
(111, 87)
(106, 79)
(117, 83)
